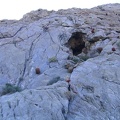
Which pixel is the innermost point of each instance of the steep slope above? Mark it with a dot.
(39, 51)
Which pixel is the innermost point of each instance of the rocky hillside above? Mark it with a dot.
(40, 52)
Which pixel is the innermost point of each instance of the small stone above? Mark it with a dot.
(37, 70)
(93, 30)
(99, 49)
(113, 49)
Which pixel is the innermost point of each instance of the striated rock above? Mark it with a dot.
(98, 83)
(38, 53)
(47, 103)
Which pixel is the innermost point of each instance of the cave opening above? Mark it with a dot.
(77, 42)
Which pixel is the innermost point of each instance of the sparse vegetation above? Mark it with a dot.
(75, 60)
(53, 59)
(84, 58)
(10, 88)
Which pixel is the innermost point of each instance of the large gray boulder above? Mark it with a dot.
(98, 84)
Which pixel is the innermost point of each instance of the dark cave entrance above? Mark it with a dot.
(76, 42)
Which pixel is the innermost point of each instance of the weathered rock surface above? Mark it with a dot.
(45, 103)
(98, 84)
(81, 43)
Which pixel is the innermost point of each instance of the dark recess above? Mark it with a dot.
(76, 42)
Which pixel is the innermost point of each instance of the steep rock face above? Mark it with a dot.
(36, 104)
(98, 84)
(58, 45)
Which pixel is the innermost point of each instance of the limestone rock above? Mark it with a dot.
(47, 103)
(98, 83)
(83, 44)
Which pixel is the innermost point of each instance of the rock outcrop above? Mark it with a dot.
(39, 51)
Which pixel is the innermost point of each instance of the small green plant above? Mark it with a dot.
(53, 59)
(54, 80)
(84, 58)
(75, 60)
(70, 69)
(9, 89)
